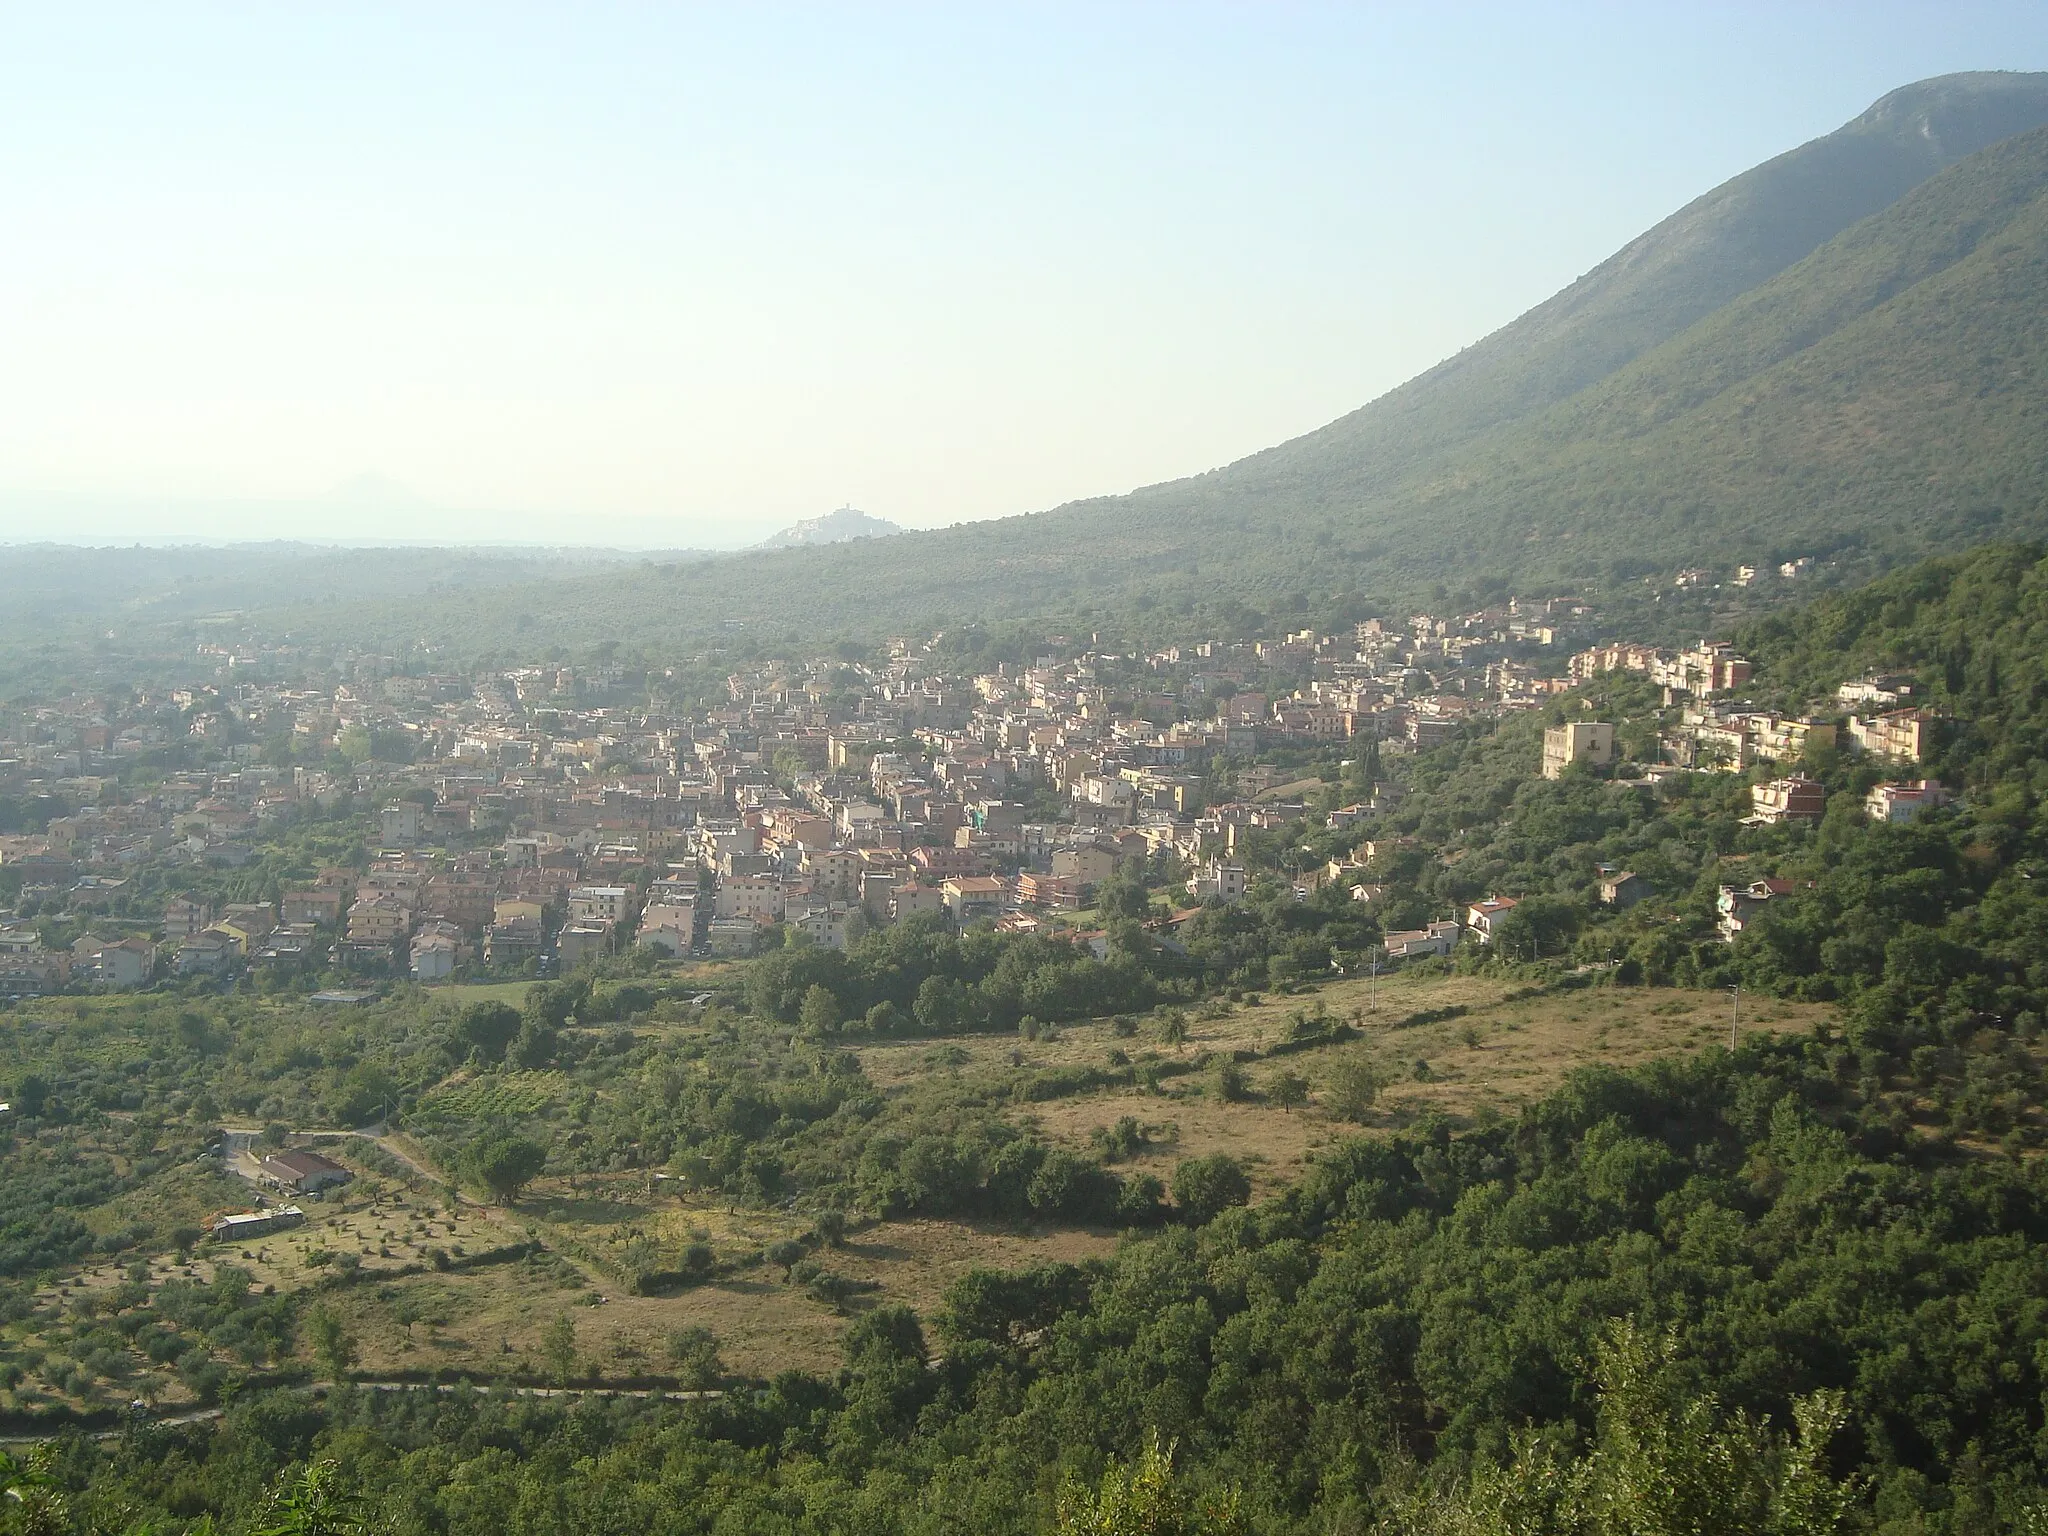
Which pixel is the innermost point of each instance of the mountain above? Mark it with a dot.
(1717, 247)
(1842, 352)
(839, 527)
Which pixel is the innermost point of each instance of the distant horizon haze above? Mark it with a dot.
(677, 279)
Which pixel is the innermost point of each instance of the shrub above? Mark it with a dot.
(1205, 1187)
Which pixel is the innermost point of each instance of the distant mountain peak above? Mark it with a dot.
(833, 528)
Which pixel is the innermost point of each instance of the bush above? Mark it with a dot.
(1353, 1089)
(1205, 1187)
(694, 1352)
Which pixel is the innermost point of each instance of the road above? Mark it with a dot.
(207, 1415)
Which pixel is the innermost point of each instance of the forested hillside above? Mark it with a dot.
(1768, 374)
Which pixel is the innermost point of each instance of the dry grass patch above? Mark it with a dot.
(1502, 1051)
(1191, 1122)
(490, 1322)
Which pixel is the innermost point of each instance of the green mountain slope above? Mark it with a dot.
(1884, 397)
(1723, 244)
(1769, 372)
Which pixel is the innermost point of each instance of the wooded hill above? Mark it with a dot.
(1838, 353)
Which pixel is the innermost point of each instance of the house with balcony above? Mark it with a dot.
(1796, 798)
(1482, 917)
(973, 898)
(1898, 735)
(1579, 741)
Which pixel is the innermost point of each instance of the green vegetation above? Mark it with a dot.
(1797, 1286)
(1209, 1227)
(1416, 1328)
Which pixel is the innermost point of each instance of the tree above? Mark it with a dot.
(786, 1254)
(488, 1028)
(1122, 896)
(31, 1095)
(505, 1164)
(694, 1352)
(534, 1047)
(1204, 1187)
(306, 1502)
(819, 1012)
(940, 1005)
(1146, 1498)
(558, 1348)
(333, 1345)
(1289, 1090)
(550, 1004)
(1353, 1089)
(29, 1489)
(367, 1093)
(1665, 1462)
(858, 925)
(1232, 1085)
(1537, 926)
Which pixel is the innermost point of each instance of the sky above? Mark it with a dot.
(671, 276)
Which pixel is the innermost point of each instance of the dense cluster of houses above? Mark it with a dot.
(524, 819)
(533, 820)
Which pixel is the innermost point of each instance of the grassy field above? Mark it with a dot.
(425, 1286)
(1503, 1049)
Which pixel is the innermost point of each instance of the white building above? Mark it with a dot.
(824, 926)
(247, 1224)
(1225, 882)
(755, 897)
(1436, 939)
(434, 956)
(600, 903)
(1903, 802)
(1482, 916)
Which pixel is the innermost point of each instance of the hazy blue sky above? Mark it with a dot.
(661, 275)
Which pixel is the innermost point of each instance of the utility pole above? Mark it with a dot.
(1372, 987)
(1734, 1014)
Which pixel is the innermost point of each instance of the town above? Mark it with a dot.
(520, 822)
